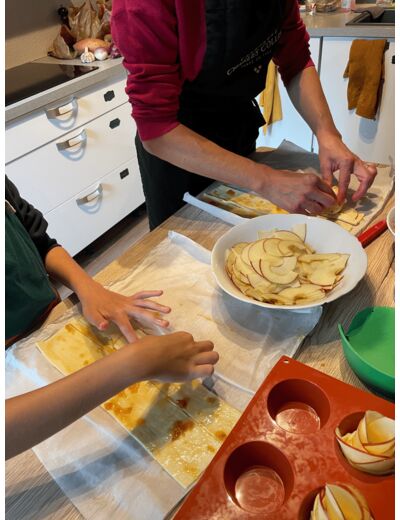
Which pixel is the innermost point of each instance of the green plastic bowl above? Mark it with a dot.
(369, 347)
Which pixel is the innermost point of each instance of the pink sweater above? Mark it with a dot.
(163, 43)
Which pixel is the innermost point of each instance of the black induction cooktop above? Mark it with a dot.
(32, 78)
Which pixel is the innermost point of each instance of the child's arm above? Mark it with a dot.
(34, 416)
(99, 305)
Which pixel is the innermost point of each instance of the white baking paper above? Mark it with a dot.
(104, 471)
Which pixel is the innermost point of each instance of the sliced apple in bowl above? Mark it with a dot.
(280, 268)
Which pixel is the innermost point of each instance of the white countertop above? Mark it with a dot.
(334, 24)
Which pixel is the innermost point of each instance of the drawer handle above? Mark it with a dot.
(54, 113)
(73, 141)
(95, 194)
(109, 95)
(115, 123)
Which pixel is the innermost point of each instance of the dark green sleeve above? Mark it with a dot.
(31, 218)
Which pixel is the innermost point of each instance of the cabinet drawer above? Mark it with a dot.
(46, 124)
(51, 175)
(86, 216)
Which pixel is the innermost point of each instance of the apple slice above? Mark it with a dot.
(238, 248)
(230, 259)
(323, 276)
(266, 234)
(350, 216)
(277, 298)
(310, 299)
(243, 267)
(288, 264)
(347, 502)
(380, 448)
(319, 257)
(355, 456)
(259, 283)
(379, 428)
(271, 247)
(304, 269)
(238, 274)
(290, 247)
(331, 506)
(272, 277)
(357, 494)
(380, 467)
(296, 283)
(300, 231)
(287, 235)
(318, 509)
(356, 443)
(257, 253)
(362, 431)
(238, 283)
(254, 293)
(304, 291)
(244, 255)
(339, 264)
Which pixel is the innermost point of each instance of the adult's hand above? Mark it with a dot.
(334, 155)
(298, 193)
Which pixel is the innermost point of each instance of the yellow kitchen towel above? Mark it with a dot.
(270, 98)
(365, 71)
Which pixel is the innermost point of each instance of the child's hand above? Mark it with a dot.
(101, 306)
(175, 357)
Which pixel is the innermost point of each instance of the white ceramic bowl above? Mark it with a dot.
(322, 235)
(390, 220)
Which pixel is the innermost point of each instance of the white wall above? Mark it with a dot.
(31, 27)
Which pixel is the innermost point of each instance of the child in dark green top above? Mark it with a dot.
(31, 256)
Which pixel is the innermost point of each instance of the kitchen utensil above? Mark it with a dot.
(369, 347)
(324, 236)
(283, 450)
(369, 235)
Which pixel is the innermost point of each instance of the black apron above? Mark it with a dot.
(29, 294)
(219, 104)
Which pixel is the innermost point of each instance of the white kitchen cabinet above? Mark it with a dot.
(87, 215)
(79, 168)
(51, 175)
(292, 127)
(371, 140)
(41, 126)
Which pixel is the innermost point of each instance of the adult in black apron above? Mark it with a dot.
(219, 104)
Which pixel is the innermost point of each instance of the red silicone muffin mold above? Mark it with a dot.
(283, 451)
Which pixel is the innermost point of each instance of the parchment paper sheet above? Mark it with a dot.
(104, 471)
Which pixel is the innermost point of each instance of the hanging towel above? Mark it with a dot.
(270, 98)
(365, 71)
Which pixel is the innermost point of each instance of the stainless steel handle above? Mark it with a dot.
(73, 141)
(54, 113)
(95, 194)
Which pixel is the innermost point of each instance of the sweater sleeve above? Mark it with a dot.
(145, 32)
(293, 53)
(31, 218)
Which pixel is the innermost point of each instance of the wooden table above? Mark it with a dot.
(31, 492)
